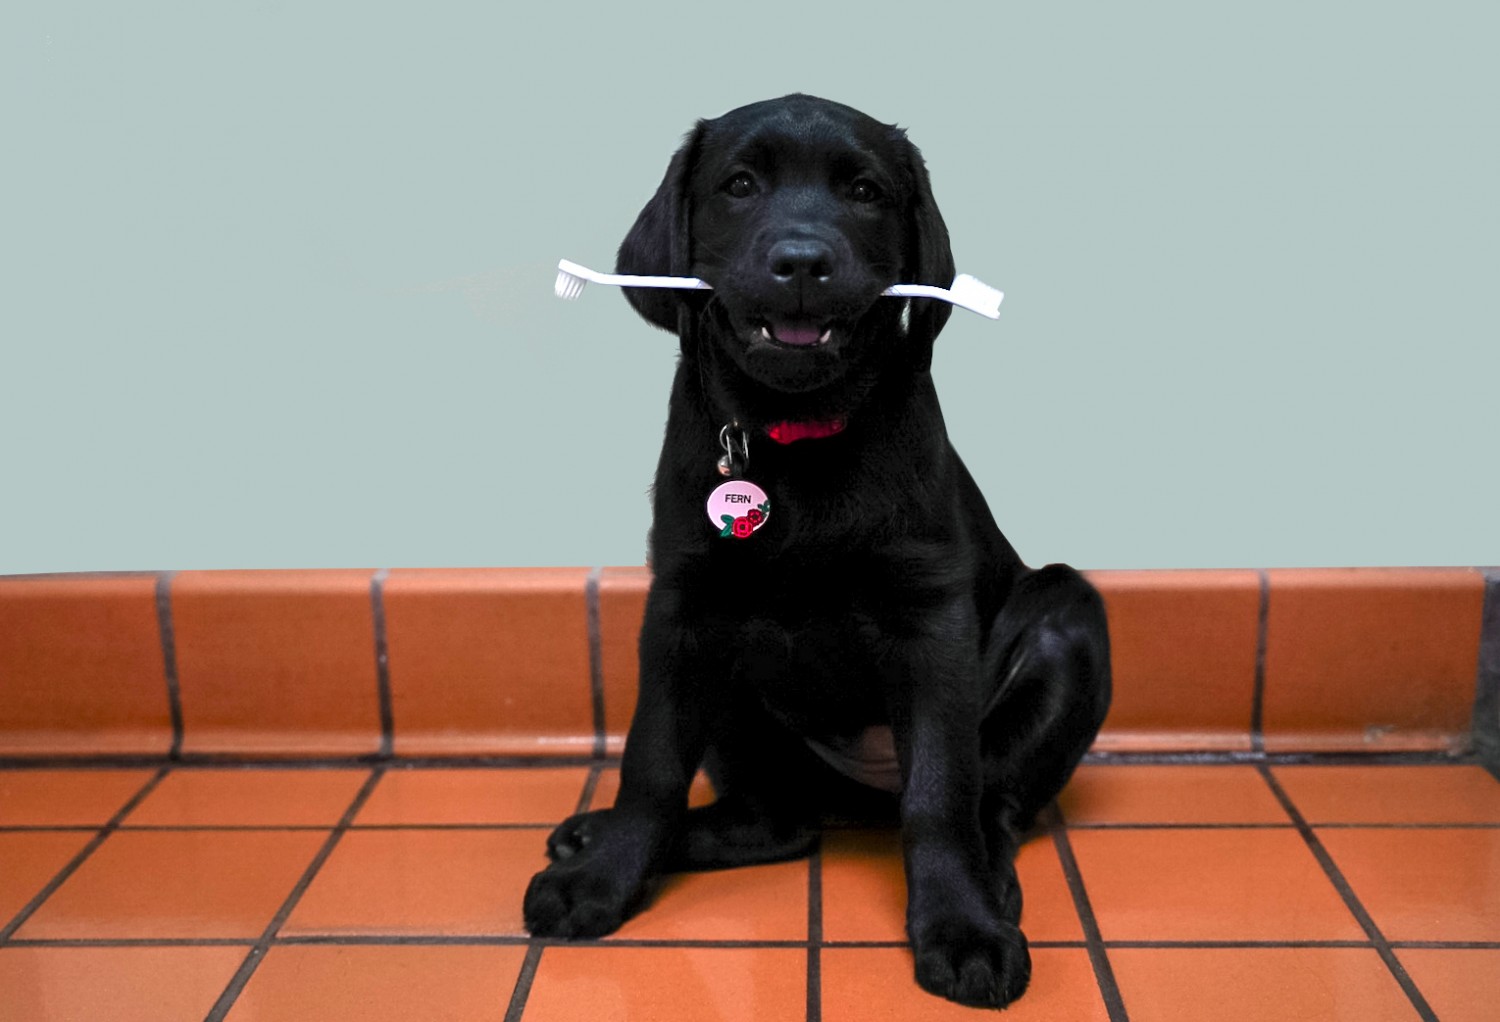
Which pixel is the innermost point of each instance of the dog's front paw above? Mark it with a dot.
(576, 900)
(983, 966)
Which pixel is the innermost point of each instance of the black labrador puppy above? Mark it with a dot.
(846, 617)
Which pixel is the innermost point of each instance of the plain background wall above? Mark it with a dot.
(276, 281)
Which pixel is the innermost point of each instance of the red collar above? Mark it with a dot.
(789, 432)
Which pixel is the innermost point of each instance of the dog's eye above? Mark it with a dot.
(740, 185)
(864, 191)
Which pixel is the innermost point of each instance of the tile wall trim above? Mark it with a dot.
(1487, 685)
(1485, 715)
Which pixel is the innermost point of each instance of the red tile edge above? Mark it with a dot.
(1316, 625)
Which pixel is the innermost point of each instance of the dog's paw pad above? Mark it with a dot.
(571, 904)
(986, 970)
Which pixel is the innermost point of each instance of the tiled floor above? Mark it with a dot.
(1205, 891)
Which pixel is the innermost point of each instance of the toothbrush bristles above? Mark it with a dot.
(568, 286)
(977, 296)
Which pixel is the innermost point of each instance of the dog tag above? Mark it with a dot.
(737, 508)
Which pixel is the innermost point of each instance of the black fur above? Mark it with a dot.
(879, 592)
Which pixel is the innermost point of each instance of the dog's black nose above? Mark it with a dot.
(802, 258)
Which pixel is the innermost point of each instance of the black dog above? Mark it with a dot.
(855, 613)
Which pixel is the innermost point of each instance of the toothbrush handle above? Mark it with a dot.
(917, 291)
(630, 280)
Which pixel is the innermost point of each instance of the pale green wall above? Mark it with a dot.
(277, 277)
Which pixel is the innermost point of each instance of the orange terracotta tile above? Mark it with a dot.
(751, 903)
(539, 796)
(1460, 985)
(1182, 644)
(877, 985)
(489, 662)
(864, 886)
(422, 882)
(355, 984)
(249, 798)
(83, 667)
(1209, 885)
(622, 606)
(66, 798)
(31, 860)
(121, 984)
(148, 884)
(1423, 884)
(1169, 794)
(276, 662)
(1392, 794)
(864, 889)
(617, 984)
(1254, 984)
(1371, 658)
(608, 789)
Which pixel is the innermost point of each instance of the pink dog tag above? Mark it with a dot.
(737, 508)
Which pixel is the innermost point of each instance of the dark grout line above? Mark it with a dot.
(815, 936)
(382, 663)
(1104, 974)
(193, 828)
(244, 942)
(1231, 945)
(168, 634)
(258, 952)
(1486, 720)
(1415, 757)
(590, 786)
(1351, 900)
(1405, 826)
(67, 871)
(405, 939)
(190, 828)
(191, 761)
(596, 657)
(227, 761)
(1110, 825)
(1258, 699)
(513, 940)
(524, 979)
(1102, 825)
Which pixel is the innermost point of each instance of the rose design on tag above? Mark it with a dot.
(737, 508)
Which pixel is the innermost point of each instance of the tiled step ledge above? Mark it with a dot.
(540, 662)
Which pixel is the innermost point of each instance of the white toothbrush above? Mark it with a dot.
(966, 292)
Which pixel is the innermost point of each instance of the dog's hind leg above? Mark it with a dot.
(1049, 651)
(766, 810)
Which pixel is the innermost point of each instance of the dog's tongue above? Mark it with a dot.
(796, 333)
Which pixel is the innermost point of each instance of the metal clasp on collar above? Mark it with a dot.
(736, 457)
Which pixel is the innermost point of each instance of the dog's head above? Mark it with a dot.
(799, 212)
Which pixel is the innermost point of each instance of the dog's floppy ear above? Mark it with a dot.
(929, 259)
(658, 243)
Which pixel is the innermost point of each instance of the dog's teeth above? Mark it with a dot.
(823, 337)
(765, 332)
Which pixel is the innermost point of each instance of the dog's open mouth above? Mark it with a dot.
(796, 332)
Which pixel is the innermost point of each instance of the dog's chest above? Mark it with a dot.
(815, 673)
